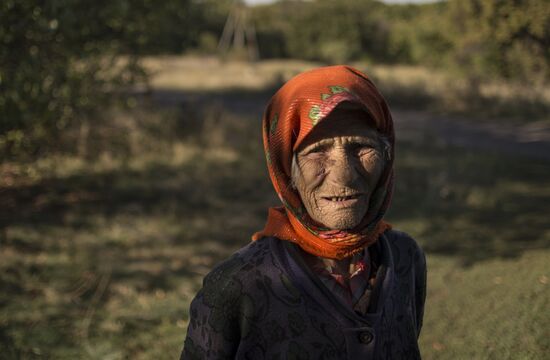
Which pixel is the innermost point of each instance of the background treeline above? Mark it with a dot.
(484, 38)
(62, 61)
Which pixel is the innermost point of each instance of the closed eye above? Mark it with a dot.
(316, 150)
(362, 148)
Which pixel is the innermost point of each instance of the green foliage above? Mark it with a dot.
(324, 30)
(64, 60)
(418, 34)
(506, 38)
(481, 39)
(328, 31)
(273, 26)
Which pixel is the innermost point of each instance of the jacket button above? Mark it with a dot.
(365, 337)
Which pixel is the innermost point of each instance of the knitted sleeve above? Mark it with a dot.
(217, 315)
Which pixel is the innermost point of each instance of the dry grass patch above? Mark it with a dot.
(411, 87)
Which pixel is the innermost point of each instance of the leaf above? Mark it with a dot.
(315, 114)
(336, 89)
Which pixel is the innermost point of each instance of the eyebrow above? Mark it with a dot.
(354, 140)
(315, 146)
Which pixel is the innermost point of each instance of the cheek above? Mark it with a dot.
(311, 172)
(372, 165)
(307, 179)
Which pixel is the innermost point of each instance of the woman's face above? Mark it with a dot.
(337, 168)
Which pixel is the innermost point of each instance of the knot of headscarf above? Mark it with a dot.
(290, 116)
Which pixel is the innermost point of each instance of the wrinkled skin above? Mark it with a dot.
(337, 168)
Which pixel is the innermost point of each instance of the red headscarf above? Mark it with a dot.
(290, 116)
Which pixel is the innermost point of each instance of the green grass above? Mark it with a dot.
(101, 258)
(495, 309)
(471, 204)
(101, 255)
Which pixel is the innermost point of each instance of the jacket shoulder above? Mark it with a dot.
(406, 250)
(238, 265)
(402, 240)
(221, 312)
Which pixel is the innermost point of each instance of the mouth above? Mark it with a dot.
(343, 201)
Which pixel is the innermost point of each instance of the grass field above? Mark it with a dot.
(410, 87)
(100, 256)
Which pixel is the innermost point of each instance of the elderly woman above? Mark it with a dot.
(327, 278)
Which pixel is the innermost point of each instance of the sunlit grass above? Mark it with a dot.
(212, 74)
(472, 203)
(495, 309)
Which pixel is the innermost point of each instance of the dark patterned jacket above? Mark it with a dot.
(264, 303)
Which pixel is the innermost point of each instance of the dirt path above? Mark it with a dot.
(524, 139)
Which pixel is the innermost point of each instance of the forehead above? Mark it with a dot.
(342, 121)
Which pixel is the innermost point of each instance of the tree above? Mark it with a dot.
(61, 61)
(504, 38)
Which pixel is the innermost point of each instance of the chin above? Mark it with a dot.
(342, 218)
(339, 226)
(345, 223)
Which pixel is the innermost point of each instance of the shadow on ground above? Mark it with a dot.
(458, 201)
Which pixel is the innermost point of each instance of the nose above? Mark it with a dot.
(341, 171)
